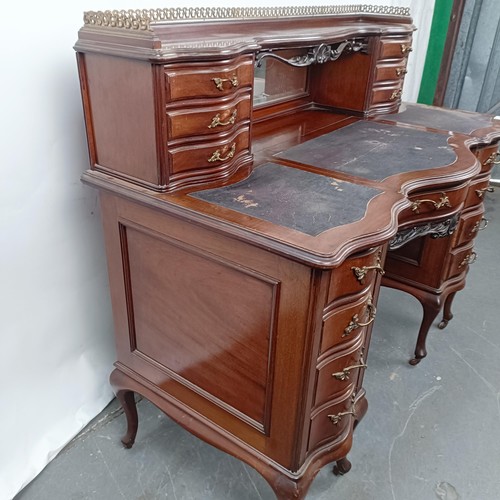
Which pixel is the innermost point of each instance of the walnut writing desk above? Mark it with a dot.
(255, 168)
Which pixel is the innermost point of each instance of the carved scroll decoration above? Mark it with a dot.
(142, 19)
(317, 55)
(434, 229)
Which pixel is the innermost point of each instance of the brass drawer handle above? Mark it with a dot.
(406, 49)
(361, 272)
(491, 159)
(335, 419)
(444, 201)
(480, 192)
(396, 95)
(216, 121)
(219, 82)
(469, 259)
(479, 226)
(216, 155)
(346, 372)
(354, 324)
(401, 71)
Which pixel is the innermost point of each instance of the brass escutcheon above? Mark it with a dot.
(346, 372)
(444, 201)
(491, 159)
(216, 121)
(354, 324)
(396, 95)
(469, 259)
(361, 272)
(479, 226)
(480, 192)
(406, 49)
(335, 419)
(219, 82)
(216, 155)
(401, 71)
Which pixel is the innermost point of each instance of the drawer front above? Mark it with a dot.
(224, 117)
(209, 156)
(347, 322)
(488, 156)
(387, 72)
(357, 273)
(470, 224)
(339, 372)
(208, 81)
(461, 259)
(478, 189)
(387, 94)
(434, 203)
(330, 421)
(391, 48)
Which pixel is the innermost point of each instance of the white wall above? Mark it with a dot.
(56, 327)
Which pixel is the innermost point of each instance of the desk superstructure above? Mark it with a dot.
(259, 181)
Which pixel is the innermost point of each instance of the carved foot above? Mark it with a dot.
(343, 466)
(443, 323)
(127, 401)
(415, 361)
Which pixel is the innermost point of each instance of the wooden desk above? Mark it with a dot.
(247, 216)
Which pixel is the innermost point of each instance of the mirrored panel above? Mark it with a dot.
(277, 81)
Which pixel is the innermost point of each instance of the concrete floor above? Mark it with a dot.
(431, 431)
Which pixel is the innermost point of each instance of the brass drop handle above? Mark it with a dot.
(216, 121)
(354, 324)
(491, 159)
(469, 259)
(219, 82)
(479, 225)
(361, 272)
(396, 95)
(480, 192)
(444, 201)
(406, 49)
(335, 419)
(401, 71)
(346, 372)
(216, 155)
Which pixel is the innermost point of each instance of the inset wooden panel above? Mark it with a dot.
(208, 323)
(122, 116)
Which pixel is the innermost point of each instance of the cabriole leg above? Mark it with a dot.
(127, 400)
(447, 314)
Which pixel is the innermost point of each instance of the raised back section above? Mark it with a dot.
(169, 93)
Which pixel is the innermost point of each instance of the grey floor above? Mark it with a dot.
(431, 431)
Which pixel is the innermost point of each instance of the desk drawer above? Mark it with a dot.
(433, 204)
(478, 189)
(223, 117)
(347, 322)
(487, 156)
(357, 273)
(337, 373)
(331, 420)
(209, 155)
(470, 224)
(461, 259)
(387, 94)
(211, 80)
(388, 72)
(392, 48)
